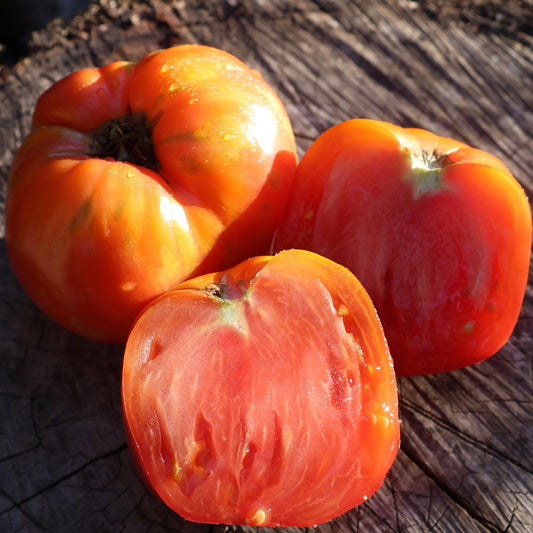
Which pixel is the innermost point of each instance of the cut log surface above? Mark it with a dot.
(460, 69)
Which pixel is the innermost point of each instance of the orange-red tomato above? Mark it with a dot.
(136, 177)
(438, 233)
(262, 395)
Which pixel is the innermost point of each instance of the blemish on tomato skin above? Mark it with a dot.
(468, 327)
(128, 286)
(82, 215)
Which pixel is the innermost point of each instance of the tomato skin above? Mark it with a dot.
(93, 237)
(85, 99)
(438, 233)
(262, 395)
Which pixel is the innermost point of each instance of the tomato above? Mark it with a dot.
(438, 233)
(262, 395)
(138, 176)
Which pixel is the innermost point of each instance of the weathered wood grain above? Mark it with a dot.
(467, 72)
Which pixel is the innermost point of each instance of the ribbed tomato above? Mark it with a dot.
(136, 177)
(438, 233)
(262, 395)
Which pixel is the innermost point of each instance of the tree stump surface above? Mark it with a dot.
(460, 69)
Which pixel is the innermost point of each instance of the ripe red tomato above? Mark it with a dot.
(262, 395)
(437, 232)
(136, 177)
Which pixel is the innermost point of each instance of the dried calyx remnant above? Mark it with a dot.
(127, 138)
(216, 290)
(426, 169)
(227, 290)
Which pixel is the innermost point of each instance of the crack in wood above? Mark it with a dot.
(458, 433)
(19, 504)
(395, 502)
(25, 513)
(454, 495)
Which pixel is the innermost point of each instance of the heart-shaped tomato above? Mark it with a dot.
(439, 234)
(262, 395)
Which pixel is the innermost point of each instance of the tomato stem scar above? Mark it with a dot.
(229, 291)
(127, 138)
(216, 290)
(426, 169)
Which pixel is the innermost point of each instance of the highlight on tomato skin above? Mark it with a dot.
(262, 395)
(438, 232)
(135, 177)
